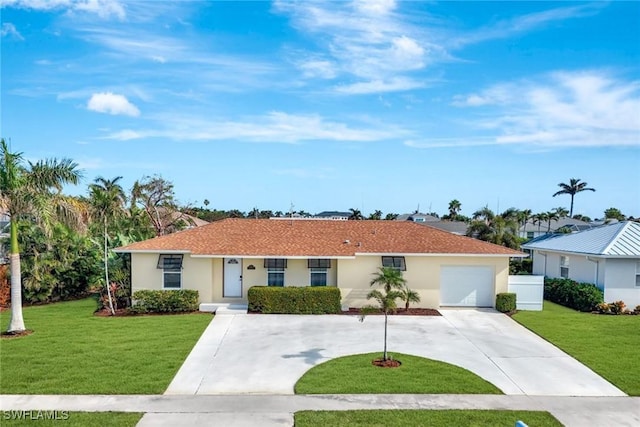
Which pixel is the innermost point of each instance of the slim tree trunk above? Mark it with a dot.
(16, 324)
(384, 355)
(571, 209)
(106, 269)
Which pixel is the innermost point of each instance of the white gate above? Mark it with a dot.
(529, 291)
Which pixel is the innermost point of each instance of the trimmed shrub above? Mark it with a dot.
(294, 300)
(506, 302)
(636, 310)
(567, 292)
(172, 301)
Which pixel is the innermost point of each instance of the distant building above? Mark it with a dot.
(532, 230)
(417, 217)
(333, 215)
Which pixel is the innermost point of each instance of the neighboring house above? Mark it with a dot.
(417, 217)
(455, 227)
(222, 260)
(333, 215)
(532, 230)
(608, 256)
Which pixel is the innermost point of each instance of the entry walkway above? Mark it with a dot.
(277, 410)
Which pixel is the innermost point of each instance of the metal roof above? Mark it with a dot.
(616, 240)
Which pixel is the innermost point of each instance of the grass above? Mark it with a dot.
(71, 419)
(74, 352)
(607, 344)
(414, 417)
(355, 375)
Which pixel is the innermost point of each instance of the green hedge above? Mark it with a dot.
(172, 301)
(506, 302)
(294, 300)
(567, 292)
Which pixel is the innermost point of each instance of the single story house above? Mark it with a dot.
(533, 229)
(222, 260)
(608, 256)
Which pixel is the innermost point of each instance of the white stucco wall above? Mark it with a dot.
(620, 282)
(351, 275)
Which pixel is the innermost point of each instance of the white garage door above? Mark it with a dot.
(466, 286)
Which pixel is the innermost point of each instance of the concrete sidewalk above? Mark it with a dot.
(277, 410)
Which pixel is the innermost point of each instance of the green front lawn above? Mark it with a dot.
(74, 352)
(415, 417)
(72, 419)
(355, 375)
(607, 344)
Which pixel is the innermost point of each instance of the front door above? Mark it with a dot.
(232, 278)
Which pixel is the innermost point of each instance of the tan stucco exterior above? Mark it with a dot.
(351, 275)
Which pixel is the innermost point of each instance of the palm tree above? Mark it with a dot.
(550, 216)
(107, 200)
(540, 218)
(499, 229)
(376, 215)
(561, 212)
(454, 209)
(392, 282)
(355, 214)
(409, 296)
(33, 190)
(574, 187)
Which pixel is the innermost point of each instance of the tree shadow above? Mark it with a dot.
(311, 357)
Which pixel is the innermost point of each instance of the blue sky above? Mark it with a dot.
(333, 105)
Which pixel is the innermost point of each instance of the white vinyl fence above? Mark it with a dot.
(529, 291)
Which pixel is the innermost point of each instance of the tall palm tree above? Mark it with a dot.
(574, 187)
(32, 190)
(107, 200)
(454, 209)
(392, 283)
(551, 216)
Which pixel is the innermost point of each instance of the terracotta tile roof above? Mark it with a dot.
(315, 238)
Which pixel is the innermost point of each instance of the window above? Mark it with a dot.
(318, 277)
(529, 234)
(396, 262)
(275, 271)
(171, 265)
(637, 273)
(319, 263)
(564, 267)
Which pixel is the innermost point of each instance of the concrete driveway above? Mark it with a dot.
(267, 354)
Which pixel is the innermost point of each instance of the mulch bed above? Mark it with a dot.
(11, 335)
(400, 312)
(386, 363)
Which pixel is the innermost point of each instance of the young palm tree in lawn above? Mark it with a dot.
(31, 190)
(574, 187)
(392, 283)
(409, 296)
(107, 202)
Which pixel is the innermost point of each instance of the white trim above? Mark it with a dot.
(151, 251)
(601, 256)
(274, 256)
(442, 255)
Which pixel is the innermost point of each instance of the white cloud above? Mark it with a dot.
(8, 29)
(107, 102)
(588, 108)
(102, 8)
(380, 86)
(275, 126)
(368, 40)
